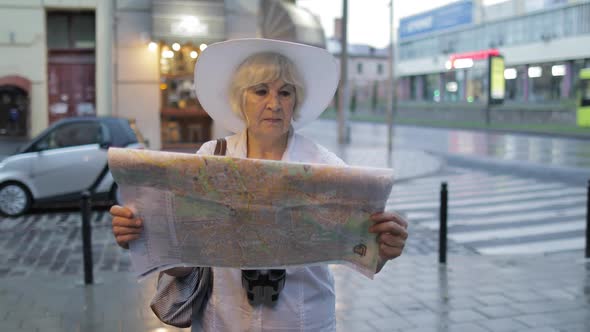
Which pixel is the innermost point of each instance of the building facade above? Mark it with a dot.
(367, 75)
(545, 44)
(127, 58)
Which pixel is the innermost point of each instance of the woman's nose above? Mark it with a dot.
(273, 101)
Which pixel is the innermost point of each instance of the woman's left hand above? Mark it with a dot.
(391, 230)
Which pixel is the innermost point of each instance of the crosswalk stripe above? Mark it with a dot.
(516, 232)
(511, 218)
(418, 215)
(536, 247)
(491, 200)
(482, 210)
(463, 180)
(402, 197)
(409, 192)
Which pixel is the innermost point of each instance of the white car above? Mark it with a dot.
(66, 159)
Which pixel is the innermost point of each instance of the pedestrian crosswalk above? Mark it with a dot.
(498, 214)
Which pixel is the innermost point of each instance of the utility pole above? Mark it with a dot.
(390, 83)
(342, 93)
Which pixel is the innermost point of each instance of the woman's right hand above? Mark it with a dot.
(126, 227)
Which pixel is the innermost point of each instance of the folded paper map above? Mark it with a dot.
(248, 213)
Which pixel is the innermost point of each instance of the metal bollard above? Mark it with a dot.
(442, 241)
(588, 222)
(86, 208)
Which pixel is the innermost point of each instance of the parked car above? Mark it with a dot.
(64, 160)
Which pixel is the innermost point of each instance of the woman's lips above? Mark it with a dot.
(273, 120)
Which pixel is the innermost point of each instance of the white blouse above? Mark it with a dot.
(306, 303)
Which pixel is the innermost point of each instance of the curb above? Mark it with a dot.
(567, 174)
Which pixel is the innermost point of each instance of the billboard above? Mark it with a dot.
(449, 16)
(497, 80)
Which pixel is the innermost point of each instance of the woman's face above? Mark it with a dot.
(268, 108)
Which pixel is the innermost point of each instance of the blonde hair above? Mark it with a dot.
(264, 68)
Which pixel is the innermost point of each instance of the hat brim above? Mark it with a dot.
(217, 64)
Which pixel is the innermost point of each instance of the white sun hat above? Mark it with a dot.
(217, 64)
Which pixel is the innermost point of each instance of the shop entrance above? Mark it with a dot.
(14, 105)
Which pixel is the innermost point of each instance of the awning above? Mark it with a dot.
(196, 21)
(285, 21)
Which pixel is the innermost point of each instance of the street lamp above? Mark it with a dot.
(390, 84)
(343, 95)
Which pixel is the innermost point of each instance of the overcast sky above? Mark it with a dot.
(368, 20)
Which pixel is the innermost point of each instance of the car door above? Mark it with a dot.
(69, 159)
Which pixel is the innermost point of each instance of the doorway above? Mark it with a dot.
(14, 105)
(71, 64)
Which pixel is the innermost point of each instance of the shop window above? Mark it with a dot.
(476, 78)
(83, 35)
(183, 120)
(544, 86)
(432, 88)
(57, 31)
(359, 68)
(70, 30)
(450, 87)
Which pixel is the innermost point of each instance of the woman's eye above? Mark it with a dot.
(260, 92)
(285, 93)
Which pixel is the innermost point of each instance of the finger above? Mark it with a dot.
(123, 240)
(126, 230)
(388, 252)
(121, 211)
(126, 222)
(389, 227)
(391, 240)
(389, 216)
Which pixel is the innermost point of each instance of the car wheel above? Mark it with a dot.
(115, 194)
(15, 199)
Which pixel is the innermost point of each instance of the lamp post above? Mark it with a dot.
(390, 84)
(342, 94)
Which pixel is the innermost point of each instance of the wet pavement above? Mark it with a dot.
(529, 148)
(41, 258)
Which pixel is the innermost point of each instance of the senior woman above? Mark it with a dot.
(262, 90)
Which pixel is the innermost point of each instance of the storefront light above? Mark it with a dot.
(176, 47)
(168, 54)
(463, 63)
(510, 73)
(153, 46)
(535, 72)
(449, 65)
(452, 86)
(202, 47)
(558, 70)
(194, 54)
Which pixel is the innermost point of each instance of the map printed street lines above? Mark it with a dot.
(249, 213)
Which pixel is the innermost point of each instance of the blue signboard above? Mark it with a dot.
(452, 15)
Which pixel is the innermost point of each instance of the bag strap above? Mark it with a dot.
(220, 147)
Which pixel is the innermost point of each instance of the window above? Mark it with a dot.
(71, 134)
(70, 30)
(359, 67)
(379, 68)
